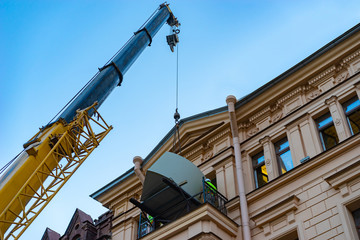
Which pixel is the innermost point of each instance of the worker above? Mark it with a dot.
(151, 219)
(210, 193)
(150, 227)
(208, 181)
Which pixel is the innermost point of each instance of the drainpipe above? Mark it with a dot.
(137, 168)
(231, 100)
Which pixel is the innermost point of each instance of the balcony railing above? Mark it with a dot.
(148, 224)
(212, 196)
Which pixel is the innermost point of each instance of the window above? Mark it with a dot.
(260, 172)
(290, 236)
(356, 216)
(327, 131)
(352, 112)
(283, 156)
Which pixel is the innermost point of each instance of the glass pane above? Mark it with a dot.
(283, 155)
(258, 158)
(260, 172)
(356, 215)
(261, 177)
(285, 162)
(323, 120)
(351, 104)
(354, 121)
(281, 145)
(329, 137)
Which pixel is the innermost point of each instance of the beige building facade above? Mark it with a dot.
(295, 143)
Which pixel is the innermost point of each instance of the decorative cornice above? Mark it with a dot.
(350, 58)
(264, 112)
(326, 73)
(293, 93)
(221, 134)
(199, 148)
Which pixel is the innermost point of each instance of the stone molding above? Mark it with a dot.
(340, 179)
(205, 219)
(287, 208)
(205, 236)
(292, 94)
(329, 72)
(350, 57)
(331, 100)
(262, 113)
(221, 134)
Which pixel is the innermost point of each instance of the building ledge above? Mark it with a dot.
(340, 179)
(286, 208)
(202, 221)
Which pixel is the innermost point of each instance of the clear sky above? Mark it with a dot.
(50, 49)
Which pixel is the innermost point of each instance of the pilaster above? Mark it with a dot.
(295, 142)
(338, 117)
(270, 157)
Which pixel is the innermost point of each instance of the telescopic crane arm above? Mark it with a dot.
(51, 157)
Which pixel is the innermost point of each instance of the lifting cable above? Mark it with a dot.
(176, 114)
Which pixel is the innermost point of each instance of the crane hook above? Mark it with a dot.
(173, 39)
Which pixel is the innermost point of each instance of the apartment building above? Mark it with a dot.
(293, 146)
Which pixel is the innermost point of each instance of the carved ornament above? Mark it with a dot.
(313, 94)
(252, 131)
(341, 77)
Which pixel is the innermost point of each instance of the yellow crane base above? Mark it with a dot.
(68, 150)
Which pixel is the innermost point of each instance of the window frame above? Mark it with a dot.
(352, 111)
(324, 127)
(279, 153)
(357, 227)
(258, 166)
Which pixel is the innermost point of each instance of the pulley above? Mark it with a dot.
(173, 39)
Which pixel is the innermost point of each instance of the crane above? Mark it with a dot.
(58, 149)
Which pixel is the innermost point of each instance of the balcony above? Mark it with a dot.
(203, 213)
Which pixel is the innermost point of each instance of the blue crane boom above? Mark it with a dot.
(111, 75)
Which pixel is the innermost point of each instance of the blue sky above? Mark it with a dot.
(50, 49)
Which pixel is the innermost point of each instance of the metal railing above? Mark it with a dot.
(148, 224)
(215, 198)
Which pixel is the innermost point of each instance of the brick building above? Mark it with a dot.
(289, 152)
(82, 227)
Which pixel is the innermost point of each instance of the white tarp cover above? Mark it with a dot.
(165, 202)
(175, 167)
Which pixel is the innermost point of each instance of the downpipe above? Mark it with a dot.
(231, 100)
